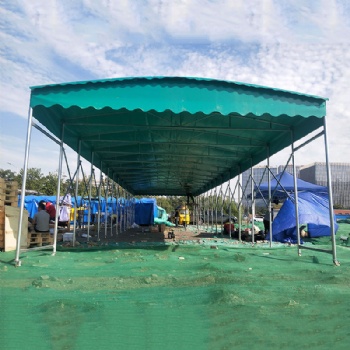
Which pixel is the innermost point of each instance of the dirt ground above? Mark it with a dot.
(144, 234)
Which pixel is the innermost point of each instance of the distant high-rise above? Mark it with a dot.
(289, 169)
(315, 173)
(340, 173)
(260, 175)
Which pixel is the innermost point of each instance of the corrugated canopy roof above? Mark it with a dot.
(172, 135)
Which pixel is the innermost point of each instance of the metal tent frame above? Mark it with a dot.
(173, 135)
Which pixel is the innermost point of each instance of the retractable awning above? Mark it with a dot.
(174, 135)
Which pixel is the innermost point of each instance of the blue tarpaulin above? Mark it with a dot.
(313, 212)
(286, 182)
(145, 211)
(113, 204)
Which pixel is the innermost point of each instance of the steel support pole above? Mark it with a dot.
(58, 191)
(92, 172)
(121, 214)
(229, 208)
(223, 202)
(220, 194)
(99, 204)
(330, 195)
(111, 216)
(116, 196)
(124, 212)
(205, 202)
(208, 209)
(106, 204)
(239, 207)
(212, 194)
(127, 210)
(199, 201)
(269, 189)
(296, 196)
(216, 209)
(197, 206)
(23, 191)
(203, 209)
(76, 193)
(253, 199)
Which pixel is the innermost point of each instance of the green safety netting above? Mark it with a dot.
(212, 294)
(174, 135)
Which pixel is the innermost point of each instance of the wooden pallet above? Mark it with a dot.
(47, 239)
(8, 185)
(37, 239)
(2, 227)
(11, 202)
(8, 193)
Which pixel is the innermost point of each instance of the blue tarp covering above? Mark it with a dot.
(313, 212)
(113, 205)
(287, 181)
(145, 211)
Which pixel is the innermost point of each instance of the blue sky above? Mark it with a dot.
(298, 45)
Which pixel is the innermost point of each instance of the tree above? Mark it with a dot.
(34, 179)
(49, 184)
(7, 174)
(165, 203)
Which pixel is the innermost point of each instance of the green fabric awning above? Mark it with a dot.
(172, 135)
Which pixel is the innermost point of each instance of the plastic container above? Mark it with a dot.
(68, 237)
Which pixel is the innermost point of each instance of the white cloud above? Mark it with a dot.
(293, 45)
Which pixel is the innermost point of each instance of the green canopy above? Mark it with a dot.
(174, 135)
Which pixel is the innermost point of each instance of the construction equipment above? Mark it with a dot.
(184, 215)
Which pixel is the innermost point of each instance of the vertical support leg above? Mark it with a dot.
(239, 208)
(296, 197)
(99, 204)
(58, 191)
(90, 187)
(330, 195)
(76, 193)
(106, 204)
(269, 189)
(253, 200)
(24, 180)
